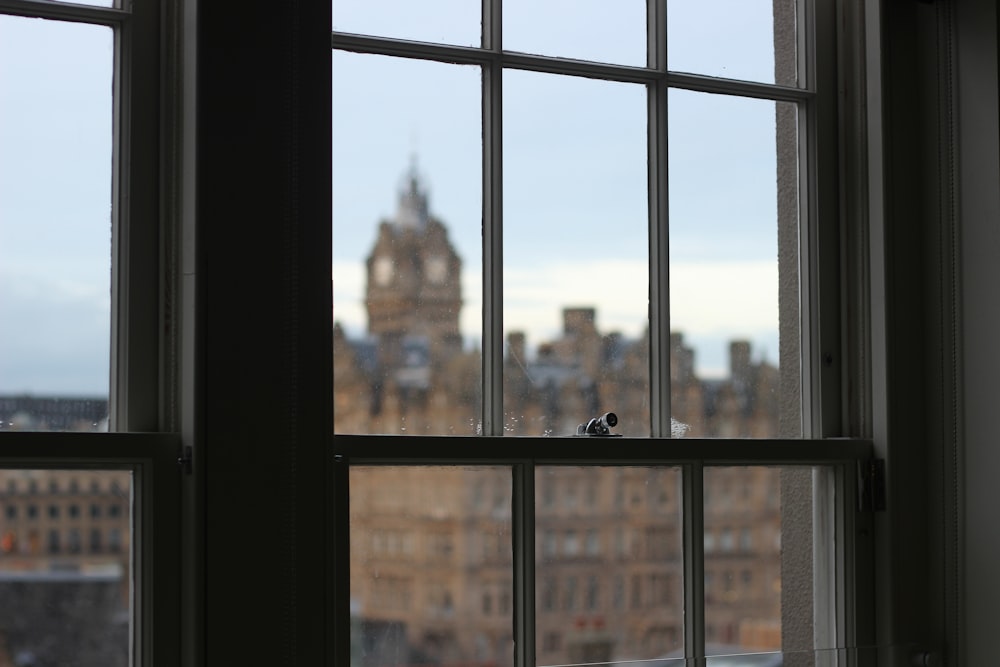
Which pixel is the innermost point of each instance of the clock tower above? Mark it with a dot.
(414, 292)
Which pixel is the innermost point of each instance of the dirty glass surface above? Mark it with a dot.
(431, 565)
(407, 247)
(612, 31)
(66, 567)
(56, 109)
(575, 294)
(609, 564)
(734, 39)
(734, 267)
(767, 589)
(443, 21)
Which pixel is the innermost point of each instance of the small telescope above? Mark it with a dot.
(600, 426)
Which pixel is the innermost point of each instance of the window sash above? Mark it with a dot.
(818, 326)
(136, 341)
(837, 570)
(152, 458)
(816, 401)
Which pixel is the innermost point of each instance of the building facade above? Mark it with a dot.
(431, 552)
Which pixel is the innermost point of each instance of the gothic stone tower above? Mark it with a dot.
(414, 292)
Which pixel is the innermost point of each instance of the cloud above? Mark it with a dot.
(54, 336)
(729, 299)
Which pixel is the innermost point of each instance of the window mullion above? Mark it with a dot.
(692, 484)
(659, 271)
(492, 224)
(523, 514)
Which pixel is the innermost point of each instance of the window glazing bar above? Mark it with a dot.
(659, 223)
(44, 9)
(470, 55)
(523, 513)
(693, 523)
(493, 342)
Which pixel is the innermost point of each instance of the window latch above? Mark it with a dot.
(186, 460)
(871, 485)
(600, 426)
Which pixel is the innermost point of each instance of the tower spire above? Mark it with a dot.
(412, 211)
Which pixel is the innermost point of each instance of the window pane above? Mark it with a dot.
(576, 252)
(765, 582)
(611, 31)
(734, 39)
(608, 580)
(445, 21)
(407, 235)
(431, 566)
(55, 215)
(734, 266)
(65, 574)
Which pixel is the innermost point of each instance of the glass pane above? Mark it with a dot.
(66, 567)
(431, 566)
(754, 40)
(93, 3)
(734, 267)
(576, 250)
(766, 586)
(407, 246)
(445, 21)
(55, 217)
(608, 580)
(612, 31)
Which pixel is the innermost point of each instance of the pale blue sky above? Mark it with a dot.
(575, 184)
(55, 207)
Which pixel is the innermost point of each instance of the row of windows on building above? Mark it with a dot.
(651, 542)
(571, 593)
(31, 511)
(558, 492)
(619, 593)
(652, 641)
(70, 541)
(71, 486)
(656, 640)
(657, 494)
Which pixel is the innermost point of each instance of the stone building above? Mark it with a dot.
(431, 554)
(65, 550)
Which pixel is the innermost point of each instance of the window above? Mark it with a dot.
(81, 379)
(571, 226)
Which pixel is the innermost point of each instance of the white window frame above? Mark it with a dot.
(828, 350)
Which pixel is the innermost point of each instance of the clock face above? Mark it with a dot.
(437, 269)
(382, 271)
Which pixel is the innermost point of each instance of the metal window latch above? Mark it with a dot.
(186, 460)
(600, 426)
(871, 485)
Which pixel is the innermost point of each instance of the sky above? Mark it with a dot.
(575, 170)
(55, 207)
(574, 181)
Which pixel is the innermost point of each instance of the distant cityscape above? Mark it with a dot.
(431, 547)
(411, 374)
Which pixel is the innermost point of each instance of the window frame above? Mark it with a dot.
(140, 438)
(829, 348)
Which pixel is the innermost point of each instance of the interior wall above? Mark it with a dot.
(979, 200)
